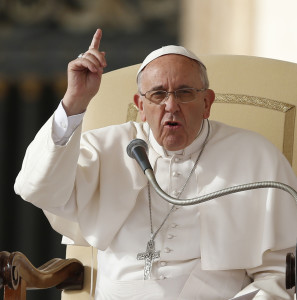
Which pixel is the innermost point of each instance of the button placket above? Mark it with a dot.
(175, 176)
(170, 239)
(178, 177)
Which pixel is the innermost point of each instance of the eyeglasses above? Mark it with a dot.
(181, 95)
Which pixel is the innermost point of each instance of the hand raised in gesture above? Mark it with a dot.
(84, 77)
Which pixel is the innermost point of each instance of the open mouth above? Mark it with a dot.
(172, 124)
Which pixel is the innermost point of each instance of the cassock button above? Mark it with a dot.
(176, 159)
(173, 225)
(175, 193)
(170, 236)
(175, 174)
(163, 263)
(167, 250)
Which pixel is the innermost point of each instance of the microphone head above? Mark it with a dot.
(137, 149)
(136, 143)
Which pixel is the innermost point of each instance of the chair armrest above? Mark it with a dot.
(67, 274)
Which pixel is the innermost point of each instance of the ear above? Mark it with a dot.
(139, 103)
(208, 100)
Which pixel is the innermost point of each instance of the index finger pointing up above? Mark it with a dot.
(96, 39)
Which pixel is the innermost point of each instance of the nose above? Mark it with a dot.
(171, 104)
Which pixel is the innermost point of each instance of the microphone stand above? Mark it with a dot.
(231, 190)
(137, 150)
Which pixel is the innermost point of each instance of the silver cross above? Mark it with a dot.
(149, 255)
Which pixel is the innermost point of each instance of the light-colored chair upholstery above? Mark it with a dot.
(253, 93)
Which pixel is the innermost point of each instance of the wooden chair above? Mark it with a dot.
(253, 93)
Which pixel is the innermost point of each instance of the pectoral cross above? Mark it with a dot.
(149, 255)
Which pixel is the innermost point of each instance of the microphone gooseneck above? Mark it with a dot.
(137, 149)
(231, 190)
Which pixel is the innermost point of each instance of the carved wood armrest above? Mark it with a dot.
(15, 269)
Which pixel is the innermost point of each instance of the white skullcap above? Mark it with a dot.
(168, 50)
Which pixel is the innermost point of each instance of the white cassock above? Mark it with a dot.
(208, 251)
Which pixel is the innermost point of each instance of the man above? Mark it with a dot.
(147, 248)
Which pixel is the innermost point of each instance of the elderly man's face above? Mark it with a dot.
(175, 126)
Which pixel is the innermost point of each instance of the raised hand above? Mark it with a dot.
(84, 77)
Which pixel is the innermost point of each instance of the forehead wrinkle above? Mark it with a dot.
(159, 79)
(158, 87)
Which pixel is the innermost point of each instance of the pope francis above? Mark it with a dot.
(148, 248)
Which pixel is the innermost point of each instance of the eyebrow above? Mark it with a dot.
(161, 87)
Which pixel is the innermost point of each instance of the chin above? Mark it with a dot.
(173, 143)
(173, 146)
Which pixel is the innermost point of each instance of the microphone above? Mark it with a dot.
(137, 149)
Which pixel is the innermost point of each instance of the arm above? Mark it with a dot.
(270, 277)
(46, 163)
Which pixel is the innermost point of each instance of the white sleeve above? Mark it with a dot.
(63, 126)
(269, 278)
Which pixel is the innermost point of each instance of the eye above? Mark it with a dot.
(185, 94)
(158, 94)
(184, 91)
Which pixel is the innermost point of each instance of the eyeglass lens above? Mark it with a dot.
(181, 95)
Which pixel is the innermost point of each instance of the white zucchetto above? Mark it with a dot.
(171, 49)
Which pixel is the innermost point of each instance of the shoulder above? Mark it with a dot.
(241, 139)
(219, 130)
(249, 151)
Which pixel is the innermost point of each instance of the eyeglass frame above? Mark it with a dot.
(173, 92)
